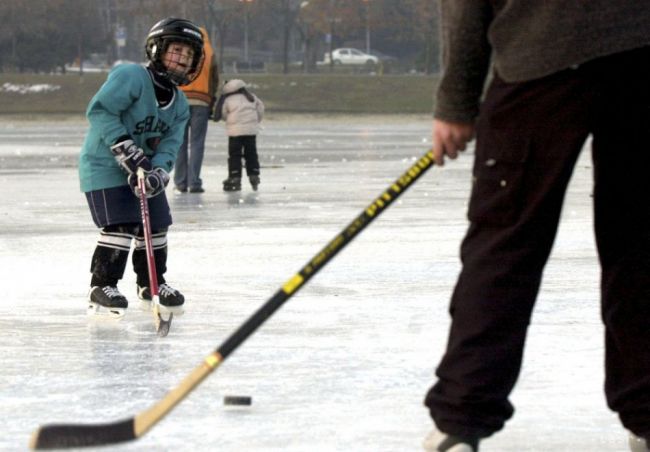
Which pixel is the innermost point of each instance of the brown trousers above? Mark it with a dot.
(529, 136)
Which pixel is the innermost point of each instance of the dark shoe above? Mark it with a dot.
(638, 444)
(438, 441)
(180, 189)
(232, 184)
(197, 190)
(255, 181)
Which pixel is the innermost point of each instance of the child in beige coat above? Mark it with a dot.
(242, 112)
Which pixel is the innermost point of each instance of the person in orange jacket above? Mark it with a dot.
(201, 95)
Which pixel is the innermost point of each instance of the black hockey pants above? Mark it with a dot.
(529, 136)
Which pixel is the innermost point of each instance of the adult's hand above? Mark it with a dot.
(450, 138)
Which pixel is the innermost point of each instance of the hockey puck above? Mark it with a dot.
(238, 400)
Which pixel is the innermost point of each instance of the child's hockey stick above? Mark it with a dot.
(162, 325)
(78, 435)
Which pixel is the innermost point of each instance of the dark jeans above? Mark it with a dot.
(529, 136)
(187, 170)
(248, 145)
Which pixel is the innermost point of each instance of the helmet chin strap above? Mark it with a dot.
(166, 77)
(177, 78)
(160, 78)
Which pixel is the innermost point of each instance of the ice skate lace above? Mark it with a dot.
(111, 292)
(165, 290)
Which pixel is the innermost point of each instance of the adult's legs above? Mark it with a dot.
(180, 167)
(529, 136)
(199, 127)
(622, 221)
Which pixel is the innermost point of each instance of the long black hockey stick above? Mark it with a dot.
(80, 435)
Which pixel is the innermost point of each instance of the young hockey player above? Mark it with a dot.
(137, 120)
(242, 111)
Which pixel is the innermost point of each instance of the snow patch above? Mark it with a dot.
(28, 89)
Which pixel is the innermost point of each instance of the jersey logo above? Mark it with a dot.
(150, 124)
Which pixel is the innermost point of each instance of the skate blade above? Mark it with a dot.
(166, 311)
(99, 311)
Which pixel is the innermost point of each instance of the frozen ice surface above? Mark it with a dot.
(344, 365)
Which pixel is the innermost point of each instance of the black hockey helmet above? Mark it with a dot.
(174, 30)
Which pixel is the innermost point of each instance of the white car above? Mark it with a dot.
(350, 56)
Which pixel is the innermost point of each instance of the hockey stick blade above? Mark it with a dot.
(162, 325)
(66, 436)
(72, 435)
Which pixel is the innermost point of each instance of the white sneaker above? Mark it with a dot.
(638, 444)
(437, 441)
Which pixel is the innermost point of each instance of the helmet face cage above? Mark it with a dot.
(169, 31)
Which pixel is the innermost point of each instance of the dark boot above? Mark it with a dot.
(255, 181)
(232, 184)
(638, 444)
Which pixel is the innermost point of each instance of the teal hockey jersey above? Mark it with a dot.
(126, 105)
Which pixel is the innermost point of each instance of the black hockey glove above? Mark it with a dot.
(155, 182)
(130, 157)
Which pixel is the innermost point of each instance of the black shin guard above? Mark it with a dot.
(159, 241)
(111, 254)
